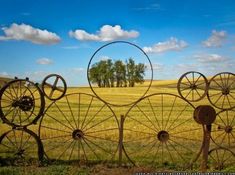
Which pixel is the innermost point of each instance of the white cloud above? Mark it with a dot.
(29, 33)
(154, 6)
(216, 39)
(44, 61)
(155, 66)
(106, 33)
(77, 70)
(210, 58)
(173, 44)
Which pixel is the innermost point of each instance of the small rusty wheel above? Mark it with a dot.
(192, 86)
(79, 127)
(21, 103)
(160, 131)
(223, 129)
(54, 86)
(220, 158)
(221, 92)
(20, 147)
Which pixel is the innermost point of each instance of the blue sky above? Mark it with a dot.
(42, 37)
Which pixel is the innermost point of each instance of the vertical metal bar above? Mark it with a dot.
(120, 140)
(205, 149)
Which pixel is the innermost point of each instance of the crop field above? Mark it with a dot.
(159, 132)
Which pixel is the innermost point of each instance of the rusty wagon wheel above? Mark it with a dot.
(20, 147)
(79, 127)
(221, 92)
(21, 103)
(220, 158)
(223, 129)
(192, 86)
(160, 130)
(57, 86)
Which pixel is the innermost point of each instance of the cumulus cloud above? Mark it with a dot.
(216, 39)
(106, 33)
(173, 44)
(210, 58)
(44, 61)
(29, 33)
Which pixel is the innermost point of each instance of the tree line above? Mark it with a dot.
(107, 73)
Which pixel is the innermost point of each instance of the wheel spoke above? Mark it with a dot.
(70, 109)
(86, 129)
(93, 143)
(92, 118)
(64, 116)
(154, 113)
(55, 129)
(59, 121)
(172, 124)
(172, 107)
(146, 116)
(88, 109)
(142, 124)
(71, 153)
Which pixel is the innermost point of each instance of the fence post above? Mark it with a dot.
(121, 139)
(205, 115)
(206, 146)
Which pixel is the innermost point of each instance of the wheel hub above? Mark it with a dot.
(20, 152)
(225, 91)
(193, 86)
(163, 136)
(228, 129)
(26, 103)
(77, 134)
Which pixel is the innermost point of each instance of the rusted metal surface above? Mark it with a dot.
(221, 92)
(204, 114)
(192, 86)
(21, 103)
(86, 131)
(56, 89)
(159, 130)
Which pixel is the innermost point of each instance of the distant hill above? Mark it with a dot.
(4, 80)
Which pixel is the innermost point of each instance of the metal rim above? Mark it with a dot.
(125, 42)
(221, 94)
(223, 129)
(220, 158)
(21, 107)
(79, 134)
(54, 87)
(157, 142)
(22, 146)
(192, 90)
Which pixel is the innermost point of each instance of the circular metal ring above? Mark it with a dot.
(192, 86)
(61, 90)
(124, 96)
(159, 130)
(21, 103)
(223, 129)
(21, 146)
(79, 128)
(220, 158)
(221, 92)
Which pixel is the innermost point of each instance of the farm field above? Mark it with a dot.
(159, 132)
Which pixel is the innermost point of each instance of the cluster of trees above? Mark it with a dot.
(107, 73)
